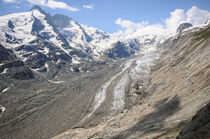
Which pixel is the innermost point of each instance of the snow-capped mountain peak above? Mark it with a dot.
(38, 39)
(37, 8)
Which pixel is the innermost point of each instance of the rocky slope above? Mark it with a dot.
(183, 26)
(198, 128)
(177, 88)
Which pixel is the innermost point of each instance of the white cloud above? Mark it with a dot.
(197, 16)
(48, 3)
(178, 16)
(9, 1)
(131, 29)
(91, 6)
(194, 15)
(57, 4)
(37, 2)
(129, 26)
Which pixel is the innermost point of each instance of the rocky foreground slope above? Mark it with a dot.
(179, 86)
(199, 125)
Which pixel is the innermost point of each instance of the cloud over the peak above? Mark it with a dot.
(48, 3)
(37, 2)
(129, 26)
(91, 6)
(194, 15)
(61, 5)
(130, 29)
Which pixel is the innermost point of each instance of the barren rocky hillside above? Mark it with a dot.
(179, 86)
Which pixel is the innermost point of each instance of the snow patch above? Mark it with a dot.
(2, 108)
(5, 90)
(47, 66)
(22, 31)
(55, 82)
(75, 61)
(119, 93)
(5, 71)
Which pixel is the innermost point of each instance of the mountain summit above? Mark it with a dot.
(36, 7)
(183, 26)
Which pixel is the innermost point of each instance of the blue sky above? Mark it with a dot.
(103, 14)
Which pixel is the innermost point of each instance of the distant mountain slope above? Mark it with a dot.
(40, 40)
(68, 37)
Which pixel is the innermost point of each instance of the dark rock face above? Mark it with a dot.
(4, 54)
(26, 48)
(21, 73)
(78, 53)
(207, 21)
(118, 51)
(64, 57)
(183, 26)
(14, 67)
(11, 64)
(36, 61)
(9, 37)
(10, 25)
(36, 7)
(103, 36)
(199, 127)
(125, 49)
(37, 26)
(61, 21)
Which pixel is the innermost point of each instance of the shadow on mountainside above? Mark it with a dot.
(153, 122)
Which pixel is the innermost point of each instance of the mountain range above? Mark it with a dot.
(59, 75)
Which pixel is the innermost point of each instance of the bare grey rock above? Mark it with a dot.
(183, 26)
(199, 127)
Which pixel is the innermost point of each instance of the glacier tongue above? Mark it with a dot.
(144, 63)
(101, 95)
(119, 93)
(132, 69)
